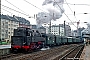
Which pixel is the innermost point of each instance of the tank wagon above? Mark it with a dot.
(25, 39)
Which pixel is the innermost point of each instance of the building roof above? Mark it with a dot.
(7, 17)
(61, 25)
(4, 17)
(15, 18)
(23, 20)
(42, 27)
(86, 31)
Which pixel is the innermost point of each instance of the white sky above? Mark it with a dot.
(31, 10)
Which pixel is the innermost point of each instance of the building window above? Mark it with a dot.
(11, 21)
(9, 32)
(6, 22)
(6, 26)
(9, 28)
(2, 30)
(17, 22)
(6, 35)
(2, 34)
(3, 24)
(6, 32)
(9, 24)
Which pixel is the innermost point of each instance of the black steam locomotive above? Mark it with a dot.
(25, 39)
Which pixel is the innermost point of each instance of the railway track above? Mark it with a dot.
(10, 55)
(43, 55)
(55, 52)
(73, 54)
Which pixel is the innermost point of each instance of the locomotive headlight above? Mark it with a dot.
(53, 41)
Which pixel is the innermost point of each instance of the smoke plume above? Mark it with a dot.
(54, 11)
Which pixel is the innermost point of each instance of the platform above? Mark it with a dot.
(87, 52)
(4, 49)
(5, 46)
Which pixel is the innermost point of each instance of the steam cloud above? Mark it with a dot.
(54, 11)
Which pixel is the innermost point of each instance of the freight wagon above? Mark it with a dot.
(58, 40)
(49, 40)
(70, 40)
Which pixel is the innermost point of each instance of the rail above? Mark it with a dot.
(40, 55)
(79, 48)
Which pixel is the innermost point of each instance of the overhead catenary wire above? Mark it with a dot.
(8, 16)
(7, 11)
(77, 4)
(79, 13)
(71, 10)
(68, 6)
(16, 10)
(33, 5)
(23, 11)
(37, 7)
(15, 6)
(44, 11)
(65, 14)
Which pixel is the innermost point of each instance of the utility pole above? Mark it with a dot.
(59, 29)
(64, 29)
(50, 26)
(78, 27)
